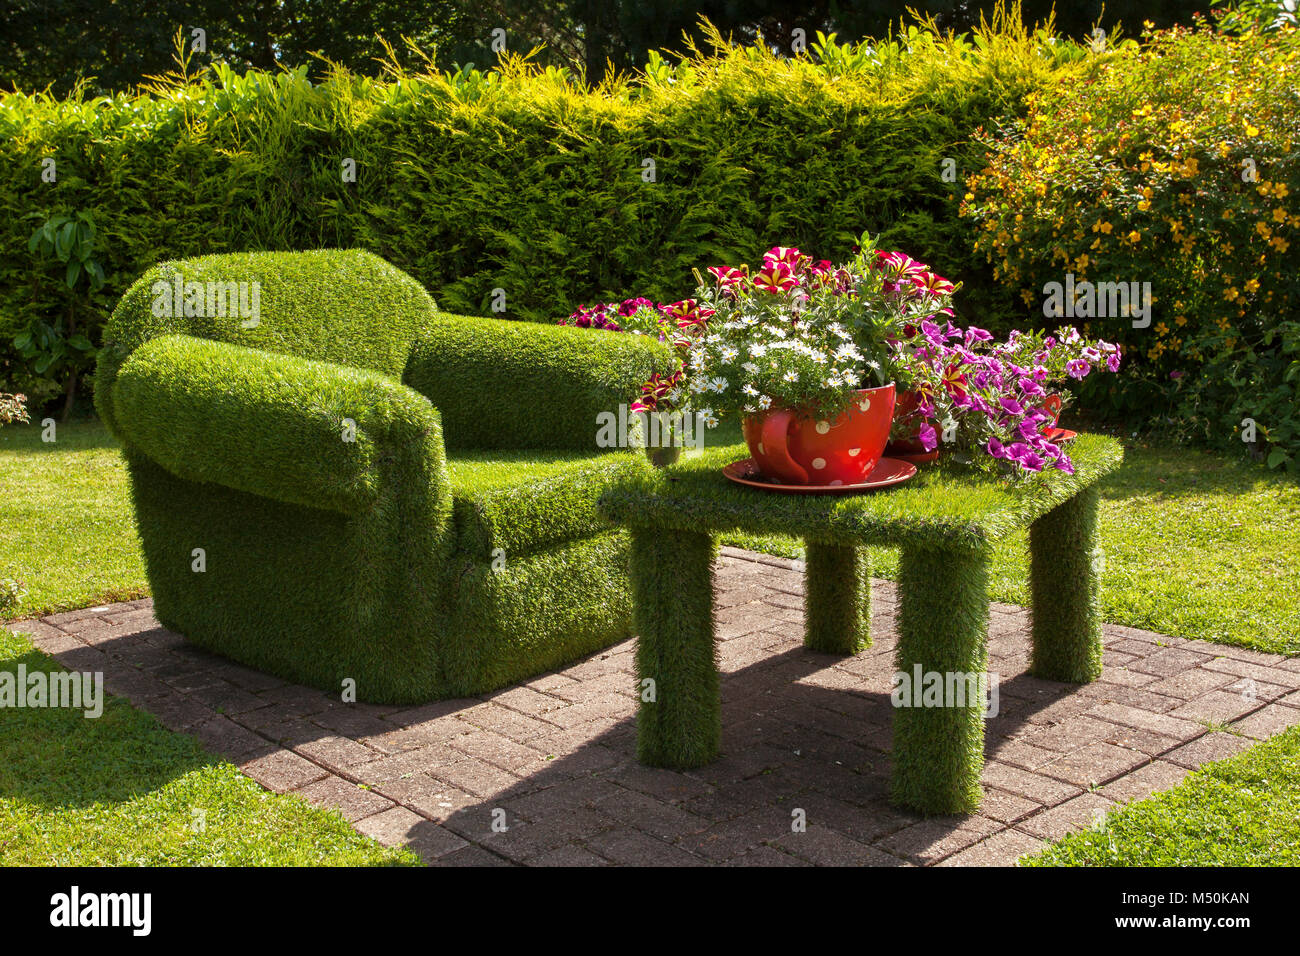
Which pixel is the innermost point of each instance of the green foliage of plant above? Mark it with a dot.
(522, 179)
(1179, 165)
(286, 480)
(52, 343)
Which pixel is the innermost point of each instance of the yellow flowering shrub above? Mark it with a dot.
(1177, 164)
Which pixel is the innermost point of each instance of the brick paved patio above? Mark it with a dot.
(545, 772)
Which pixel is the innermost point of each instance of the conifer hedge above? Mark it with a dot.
(520, 192)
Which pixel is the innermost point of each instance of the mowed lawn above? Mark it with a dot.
(66, 528)
(122, 790)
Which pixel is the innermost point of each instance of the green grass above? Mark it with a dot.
(1236, 812)
(66, 526)
(1197, 544)
(122, 790)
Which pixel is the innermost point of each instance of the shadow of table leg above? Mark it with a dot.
(1065, 565)
(942, 636)
(679, 723)
(837, 599)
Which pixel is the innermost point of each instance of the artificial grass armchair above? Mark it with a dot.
(342, 482)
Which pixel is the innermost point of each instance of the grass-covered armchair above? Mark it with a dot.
(340, 481)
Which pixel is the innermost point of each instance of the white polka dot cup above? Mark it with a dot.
(801, 450)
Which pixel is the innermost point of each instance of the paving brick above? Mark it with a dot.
(1268, 720)
(180, 712)
(1127, 678)
(1080, 813)
(1142, 698)
(1144, 781)
(227, 698)
(469, 856)
(1252, 669)
(223, 736)
(282, 771)
(801, 731)
(401, 827)
(1037, 787)
(1191, 683)
(1165, 724)
(352, 801)
(645, 813)
(1022, 753)
(1209, 748)
(1001, 849)
(634, 848)
(68, 617)
(337, 752)
(826, 847)
(431, 798)
(401, 738)
(929, 841)
(1219, 706)
(40, 631)
(1071, 734)
(731, 838)
(396, 766)
(1132, 738)
(569, 855)
(474, 776)
(1095, 764)
(766, 856)
(513, 724)
(1006, 807)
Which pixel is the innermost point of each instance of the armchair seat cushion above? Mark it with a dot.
(525, 501)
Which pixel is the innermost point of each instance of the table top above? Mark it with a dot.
(945, 506)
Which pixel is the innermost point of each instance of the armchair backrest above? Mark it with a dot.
(502, 384)
(345, 306)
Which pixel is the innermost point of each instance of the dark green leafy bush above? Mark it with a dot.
(520, 181)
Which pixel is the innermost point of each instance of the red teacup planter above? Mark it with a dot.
(798, 450)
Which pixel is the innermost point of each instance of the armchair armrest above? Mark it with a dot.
(508, 384)
(291, 429)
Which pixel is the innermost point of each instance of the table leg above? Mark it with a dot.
(679, 723)
(943, 630)
(837, 599)
(1065, 577)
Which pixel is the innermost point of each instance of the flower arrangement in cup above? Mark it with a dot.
(803, 334)
(998, 398)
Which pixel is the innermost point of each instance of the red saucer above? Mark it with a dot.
(888, 471)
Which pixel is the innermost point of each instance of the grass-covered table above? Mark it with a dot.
(945, 521)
